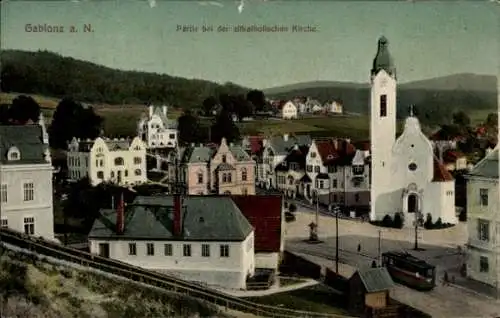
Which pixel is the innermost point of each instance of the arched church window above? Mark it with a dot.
(412, 166)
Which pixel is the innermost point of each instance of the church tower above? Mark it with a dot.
(382, 128)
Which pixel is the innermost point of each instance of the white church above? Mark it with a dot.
(406, 175)
(156, 130)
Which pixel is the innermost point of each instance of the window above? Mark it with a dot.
(186, 250)
(200, 177)
(4, 223)
(101, 163)
(3, 193)
(383, 105)
(29, 191)
(137, 160)
(313, 155)
(168, 250)
(483, 230)
(332, 169)
(112, 174)
(316, 169)
(334, 183)
(483, 194)
(137, 172)
(29, 225)
(150, 249)
(100, 175)
(224, 250)
(119, 161)
(13, 154)
(244, 174)
(224, 158)
(224, 178)
(132, 249)
(309, 168)
(483, 264)
(205, 250)
(321, 184)
(358, 169)
(229, 177)
(126, 173)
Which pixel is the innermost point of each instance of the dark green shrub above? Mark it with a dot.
(292, 207)
(387, 221)
(462, 217)
(438, 224)
(398, 221)
(428, 222)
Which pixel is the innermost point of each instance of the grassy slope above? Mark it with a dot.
(122, 120)
(39, 289)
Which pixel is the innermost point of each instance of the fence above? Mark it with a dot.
(164, 281)
(294, 264)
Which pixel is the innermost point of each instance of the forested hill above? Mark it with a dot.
(50, 74)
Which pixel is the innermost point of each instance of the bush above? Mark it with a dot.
(438, 224)
(292, 207)
(374, 264)
(428, 222)
(387, 221)
(398, 221)
(462, 217)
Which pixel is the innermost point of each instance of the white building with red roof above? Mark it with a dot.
(407, 177)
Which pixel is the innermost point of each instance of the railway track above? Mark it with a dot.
(138, 274)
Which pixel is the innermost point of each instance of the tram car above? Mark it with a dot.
(409, 270)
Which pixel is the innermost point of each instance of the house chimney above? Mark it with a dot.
(177, 215)
(120, 216)
(285, 137)
(151, 108)
(335, 143)
(164, 109)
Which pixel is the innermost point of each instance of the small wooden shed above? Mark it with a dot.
(369, 288)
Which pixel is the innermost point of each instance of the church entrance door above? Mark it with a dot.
(412, 203)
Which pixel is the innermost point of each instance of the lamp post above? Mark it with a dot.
(313, 235)
(337, 211)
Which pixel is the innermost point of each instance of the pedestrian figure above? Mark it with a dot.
(359, 247)
(445, 278)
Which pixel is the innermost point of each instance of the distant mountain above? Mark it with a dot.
(50, 74)
(433, 98)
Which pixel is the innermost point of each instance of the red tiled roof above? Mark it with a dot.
(255, 144)
(440, 172)
(331, 153)
(452, 155)
(264, 213)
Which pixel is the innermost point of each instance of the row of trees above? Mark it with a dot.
(240, 105)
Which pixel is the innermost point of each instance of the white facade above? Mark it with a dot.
(206, 264)
(118, 161)
(270, 160)
(483, 222)
(334, 107)
(406, 177)
(289, 111)
(156, 130)
(26, 182)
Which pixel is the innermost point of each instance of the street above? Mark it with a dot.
(440, 249)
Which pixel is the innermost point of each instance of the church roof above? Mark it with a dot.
(441, 174)
(383, 59)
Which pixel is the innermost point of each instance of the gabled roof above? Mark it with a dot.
(441, 174)
(335, 152)
(27, 139)
(205, 218)
(282, 147)
(264, 212)
(194, 154)
(375, 279)
(487, 167)
(294, 156)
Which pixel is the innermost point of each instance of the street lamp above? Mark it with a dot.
(336, 209)
(313, 235)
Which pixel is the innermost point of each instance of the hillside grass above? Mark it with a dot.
(122, 120)
(31, 287)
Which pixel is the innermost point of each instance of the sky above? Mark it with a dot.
(426, 39)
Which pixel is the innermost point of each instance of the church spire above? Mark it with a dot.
(383, 59)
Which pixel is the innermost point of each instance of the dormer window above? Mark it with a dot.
(13, 154)
(224, 158)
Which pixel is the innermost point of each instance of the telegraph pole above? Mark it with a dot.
(337, 239)
(380, 248)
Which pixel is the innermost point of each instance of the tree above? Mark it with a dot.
(398, 220)
(70, 120)
(461, 119)
(242, 108)
(208, 105)
(492, 120)
(224, 127)
(188, 127)
(257, 98)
